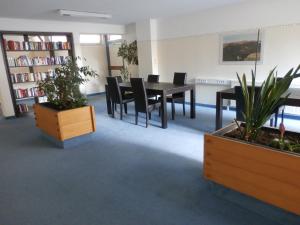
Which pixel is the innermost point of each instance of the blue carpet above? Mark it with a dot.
(127, 174)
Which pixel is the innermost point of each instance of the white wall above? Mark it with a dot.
(147, 47)
(199, 57)
(192, 43)
(245, 15)
(95, 56)
(76, 28)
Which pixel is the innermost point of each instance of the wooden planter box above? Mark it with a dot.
(264, 173)
(66, 124)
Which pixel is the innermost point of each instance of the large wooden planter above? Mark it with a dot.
(264, 173)
(66, 124)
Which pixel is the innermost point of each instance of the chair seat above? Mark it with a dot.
(171, 99)
(128, 95)
(153, 104)
(176, 95)
(126, 100)
(151, 96)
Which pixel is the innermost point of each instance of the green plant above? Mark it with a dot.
(125, 74)
(62, 89)
(284, 144)
(128, 52)
(258, 107)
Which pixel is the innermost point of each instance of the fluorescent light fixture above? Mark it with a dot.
(73, 13)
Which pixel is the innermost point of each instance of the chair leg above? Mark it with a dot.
(115, 106)
(121, 111)
(282, 116)
(159, 111)
(276, 117)
(149, 116)
(136, 117)
(125, 107)
(271, 122)
(113, 110)
(183, 107)
(173, 110)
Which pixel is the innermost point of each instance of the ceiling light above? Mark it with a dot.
(73, 13)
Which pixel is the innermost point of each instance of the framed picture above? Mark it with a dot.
(241, 48)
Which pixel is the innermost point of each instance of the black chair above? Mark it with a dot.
(119, 79)
(153, 78)
(179, 79)
(240, 105)
(116, 96)
(142, 103)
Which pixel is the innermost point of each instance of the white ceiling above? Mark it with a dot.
(123, 11)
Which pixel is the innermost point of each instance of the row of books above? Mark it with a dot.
(35, 46)
(22, 108)
(28, 92)
(29, 77)
(36, 61)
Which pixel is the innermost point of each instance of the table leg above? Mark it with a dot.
(108, 102)
(193, 104)
(164, 115)
(219, 110)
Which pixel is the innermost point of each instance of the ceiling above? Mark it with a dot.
(123, 11)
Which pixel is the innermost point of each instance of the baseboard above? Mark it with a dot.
(10, 117)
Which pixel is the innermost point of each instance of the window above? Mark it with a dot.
(90, 39)
(114, 37)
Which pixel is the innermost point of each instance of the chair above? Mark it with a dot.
(142, 103)
(116, 97)
(179, 79)
(119, 79)
(153, 78)
(240, 105)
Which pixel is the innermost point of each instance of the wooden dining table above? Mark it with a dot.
(229, 94)
(163, 89)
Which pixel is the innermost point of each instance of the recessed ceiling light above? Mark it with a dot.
(73, 13)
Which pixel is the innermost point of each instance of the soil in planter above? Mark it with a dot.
(269, 137)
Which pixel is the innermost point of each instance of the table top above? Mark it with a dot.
(161, 86)
(294, 93)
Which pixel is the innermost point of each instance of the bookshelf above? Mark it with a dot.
(30, 57)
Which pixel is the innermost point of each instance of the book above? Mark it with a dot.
(11, 45)
(36, 61)
(22, 108)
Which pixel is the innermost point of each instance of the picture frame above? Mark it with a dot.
(240, 47)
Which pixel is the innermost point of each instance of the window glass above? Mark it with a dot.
(90, 38)
(58, 38)
(114, 37)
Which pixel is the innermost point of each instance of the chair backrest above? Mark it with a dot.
(114, 89)
(153, 78)
(119, 79)
(240, 103)
(140, 95)
(179, 78)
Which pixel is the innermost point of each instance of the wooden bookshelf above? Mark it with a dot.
(30, 57)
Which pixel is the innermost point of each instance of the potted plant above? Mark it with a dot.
(66, 114)
(258, 161)
(129, 55)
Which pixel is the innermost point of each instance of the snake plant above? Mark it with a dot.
(258, 107)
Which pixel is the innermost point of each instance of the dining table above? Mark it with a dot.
(163, 89)
(293, 99)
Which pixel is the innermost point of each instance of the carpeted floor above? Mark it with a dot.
(126, 175)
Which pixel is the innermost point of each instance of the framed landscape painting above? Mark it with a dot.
(241, 48)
